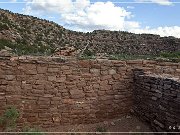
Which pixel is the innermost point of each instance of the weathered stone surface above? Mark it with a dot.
(84, 63)
(76, 94)
(65, 67)
(156, 94)
(53, 70)
(95, 71)
(106, 77)
(84, 91)
(41, 70)
(112, 71)
(9, 77)
(51, 78)
(61, 78)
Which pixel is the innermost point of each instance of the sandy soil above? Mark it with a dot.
(123, 124)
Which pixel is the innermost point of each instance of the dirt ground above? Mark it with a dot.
(124, 124)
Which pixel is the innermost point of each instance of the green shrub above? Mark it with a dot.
(170, 54)
(31, 131)
(22, 48)
(86, 57)
(9, 118)
(4, 42)
(3, 26)
(130, 57)
(88, 53)
(101, 129)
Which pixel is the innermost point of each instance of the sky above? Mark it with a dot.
(138, 16)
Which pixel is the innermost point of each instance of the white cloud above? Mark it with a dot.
(59, 6)
(161, 2)
(130, 7)
(162, 31)
(82, 15)
(131, 24)
(27, 10)
(97, 16)
(13, 0)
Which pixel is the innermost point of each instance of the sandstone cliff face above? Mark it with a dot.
(46, 36)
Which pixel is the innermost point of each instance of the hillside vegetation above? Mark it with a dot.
(28, 35)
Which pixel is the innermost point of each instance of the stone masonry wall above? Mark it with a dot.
(51, 91)
(157, 100)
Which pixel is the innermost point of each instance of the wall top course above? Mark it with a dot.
(62, 60)
(149, 74)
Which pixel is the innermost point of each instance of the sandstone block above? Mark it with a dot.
(97, 66)
(35, 91)
(51, 78)
(81, 84)
(27, 66)
(48, 95)
(104, 72)
(117, 97)
(88, 88)
(10, 77)
(2, 88)
(84, 63)
(178, 70)
(56, 119)
(112, 71)
(41, 70)
(45, 115)
(102, 83)
(48, 86)
(118, 63)
(106, 97)
(117, 76)
(54, 102)
(68, 101)
(43, 102)
(101, 93)
(65, 94)
(38, 87)
(166, 86)
(53, 70)
(91, 94)
(159, 123)
(117, 86)
(96, 86)
(27, 86)
(106, 77)
(32, 119)
(67, 72)
(95, 71)
(105, 87)
(72, 77)
(65, 67)
(61, 78)
(31, 72)
(77, 93)
(134, 62)
(110, 92)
